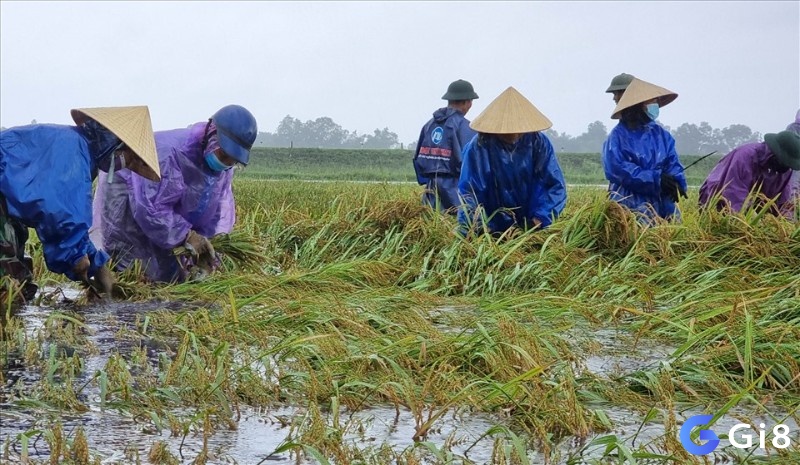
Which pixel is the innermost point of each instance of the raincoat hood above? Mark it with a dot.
(441, 115)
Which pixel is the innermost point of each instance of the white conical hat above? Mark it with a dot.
(639, 91)
(510, 113)
(132, 125)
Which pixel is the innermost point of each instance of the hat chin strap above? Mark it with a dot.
(112, 166)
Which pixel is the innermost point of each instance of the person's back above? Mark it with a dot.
(437, 160)
(38, 163)
(46, 174)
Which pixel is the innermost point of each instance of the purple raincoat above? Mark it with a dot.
(742, 169)
(135, 218)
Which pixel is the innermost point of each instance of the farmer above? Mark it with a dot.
(437, 160)
(755, 173)
(46, 174)
(146, 220)
(510, 176)
(618, 85)
(639, 155)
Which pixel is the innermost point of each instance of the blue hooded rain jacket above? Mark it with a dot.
(438, 158)
(514, 185)
(633, 160)
(46, 174)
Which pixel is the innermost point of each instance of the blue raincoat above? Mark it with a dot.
(438, 158)
(514, 185)
(46, 174)
(633, 160)
(136, 218)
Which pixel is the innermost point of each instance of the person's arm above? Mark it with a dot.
(738, 182)
(464, 134)
(64, 232)
(549, 195)
(224, 209)
(154, 205)
(675, 169)
(626, 173)
(472, 186)
(421, 180)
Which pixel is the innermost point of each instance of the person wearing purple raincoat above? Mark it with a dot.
(754, 173)
(145, 220)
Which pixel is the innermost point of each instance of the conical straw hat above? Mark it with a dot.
(510, 113)
(132, 126)
(639, 91)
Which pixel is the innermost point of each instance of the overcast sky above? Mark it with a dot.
(372, 65)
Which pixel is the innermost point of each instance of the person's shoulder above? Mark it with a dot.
(750, 150)
(619, 129)
(539, 140)
(44, 133)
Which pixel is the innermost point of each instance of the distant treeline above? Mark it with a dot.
(690, 139)
(325, 133)
(394, 165)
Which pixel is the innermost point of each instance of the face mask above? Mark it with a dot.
(214, 164)
(652, 111)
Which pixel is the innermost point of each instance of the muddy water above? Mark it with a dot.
(117, 438)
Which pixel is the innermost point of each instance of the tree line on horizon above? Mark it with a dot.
(323, 132)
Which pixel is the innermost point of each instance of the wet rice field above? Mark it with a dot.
(258, 434)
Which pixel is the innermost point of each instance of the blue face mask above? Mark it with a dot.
(213, 162)
(652, 111)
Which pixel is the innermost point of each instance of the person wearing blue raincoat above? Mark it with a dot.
(46, 174)
(510, 176)
(437, 160)
(148, 221)
(639, 157)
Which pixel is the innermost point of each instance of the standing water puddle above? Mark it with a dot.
(608, 352)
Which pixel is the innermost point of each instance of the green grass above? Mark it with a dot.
(396, 165)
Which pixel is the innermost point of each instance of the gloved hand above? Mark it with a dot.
(199, 246)
(670, 187)
(105, 280)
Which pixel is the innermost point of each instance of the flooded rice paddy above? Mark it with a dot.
(260, 435)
